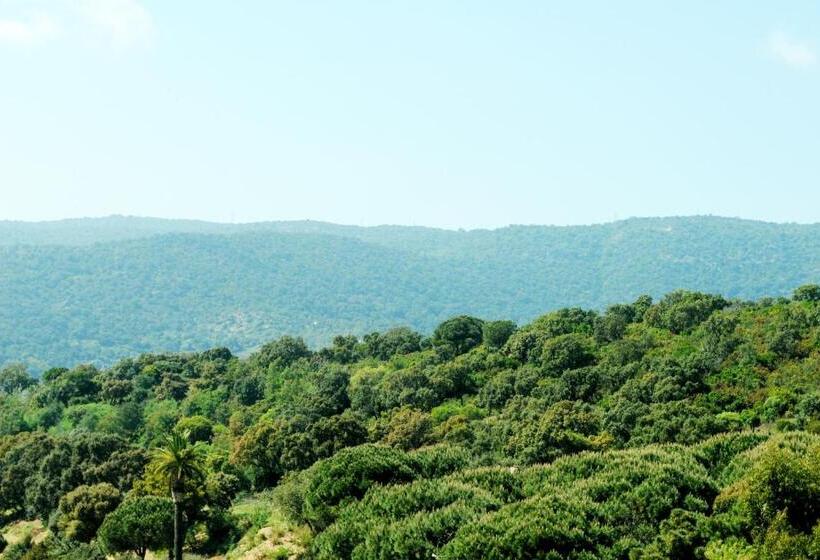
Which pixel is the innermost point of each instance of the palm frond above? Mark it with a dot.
(178, 459)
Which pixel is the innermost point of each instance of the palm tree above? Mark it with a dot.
(178, 462)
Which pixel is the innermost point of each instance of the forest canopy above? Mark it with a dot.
(686, 427)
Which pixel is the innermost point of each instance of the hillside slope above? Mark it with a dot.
(159, 285)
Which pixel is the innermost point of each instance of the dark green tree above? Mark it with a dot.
(809, 292)
(138, 525)
(496, 333)
(280, 353)
(458, 335)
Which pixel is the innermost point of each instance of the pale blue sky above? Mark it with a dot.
(444, 113)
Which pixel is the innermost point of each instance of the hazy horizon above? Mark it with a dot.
(435, 114)
(377, 225)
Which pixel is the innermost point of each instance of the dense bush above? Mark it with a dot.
(348, 475)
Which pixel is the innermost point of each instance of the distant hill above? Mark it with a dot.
(99, 289)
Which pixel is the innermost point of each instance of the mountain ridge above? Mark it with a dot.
(186, 291)
(138, 227)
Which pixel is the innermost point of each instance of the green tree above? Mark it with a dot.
(345, 350)
(612, 325)
(137, 525)
(566, 427)
(248, 389)
(408, 428)
(399, 340)
(568, 351)
(809, 292)
(82, 511)
(459, 334)
(271, 448)
(76, 386)
(280, 353)
(15, 378)
(348, 475)
(329, 435)
(496, 333)
(197, 427)
(680, 311)
(178, 463)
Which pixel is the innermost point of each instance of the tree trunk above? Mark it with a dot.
(179, 530)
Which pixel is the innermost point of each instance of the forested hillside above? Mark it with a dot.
(685, 428)
(99, 290)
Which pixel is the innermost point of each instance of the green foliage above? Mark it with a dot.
(409, 521)
(348, 475)
(459, 334)
(82, 511)
(408, 429)
(14, 378)
(248, 389)
(138, 525)
(681, 311)
(809, 292)
(395, 341)
(679, 430)
(566, 427)
(271, 448)
(496, 333)
(198, 428)
(179, 463)
(782, 482)
(54, 548)
(76, 386)
(439, 460)
(178, 459)
(281, 353)
(37, 469)
(529, 342)
(569, 351)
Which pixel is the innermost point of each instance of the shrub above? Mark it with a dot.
(346, 477)
(403, 521)
(548, 528)
(439, 460)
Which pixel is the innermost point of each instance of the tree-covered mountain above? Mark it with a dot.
(99, 289)
(685, 428)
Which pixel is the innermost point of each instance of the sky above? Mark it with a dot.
(457, 114)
